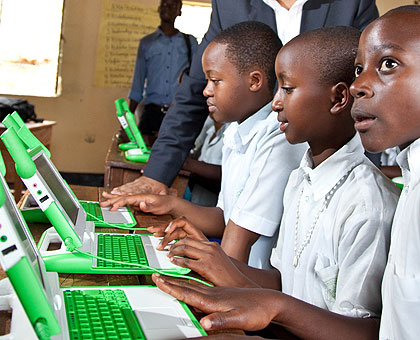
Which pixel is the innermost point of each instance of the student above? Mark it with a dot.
(387, 113)
(338, 207)
(204, 164)
(257, 159)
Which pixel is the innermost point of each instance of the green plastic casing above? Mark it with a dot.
(16, 123)
(32, 296)
(121, 106)
(144, 157)
(26, 168)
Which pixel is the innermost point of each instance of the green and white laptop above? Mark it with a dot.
(138, 152)
(131, 253)
(45, 311)
(94, 212)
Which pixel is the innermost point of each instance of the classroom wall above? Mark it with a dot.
(85, 114)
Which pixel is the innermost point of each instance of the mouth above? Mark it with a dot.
(362, 120)
(211, 107)
(283, 122)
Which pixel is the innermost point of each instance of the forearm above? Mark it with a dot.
(203, 169)
(209, 220)
(322, 324)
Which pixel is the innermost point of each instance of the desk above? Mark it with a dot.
(43, 132)
(119, 171)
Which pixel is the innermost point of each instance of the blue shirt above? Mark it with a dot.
(160, 61)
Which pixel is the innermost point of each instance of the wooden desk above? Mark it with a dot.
(43, 132)
(119, 171)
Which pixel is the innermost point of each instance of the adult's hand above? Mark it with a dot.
(237, 308)
(141, 185)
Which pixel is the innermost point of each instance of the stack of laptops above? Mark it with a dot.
(136, 150)
(126, 312)
(108, 253)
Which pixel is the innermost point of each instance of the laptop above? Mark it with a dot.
(121, 106)
(46, 311)
(135, 253)
(102, 217)
(141, 153)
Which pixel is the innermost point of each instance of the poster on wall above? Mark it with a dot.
(122, 25)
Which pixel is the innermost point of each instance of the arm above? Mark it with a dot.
(203, 169)
(367, 12)
(139, 76)
(254, 309)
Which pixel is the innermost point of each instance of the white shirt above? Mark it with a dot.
(288, 21)
(401, 283)
(256, 164)
(341, 267)
(210, 152)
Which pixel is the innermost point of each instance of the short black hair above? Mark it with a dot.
(250, 44)
(333, 51)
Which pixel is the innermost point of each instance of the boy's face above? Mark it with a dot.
(386, 108)
(300, 101)
(169, 10)
(226, 89)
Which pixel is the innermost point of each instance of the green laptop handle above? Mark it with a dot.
(25, 166)
(121, 106)
(2, 166)
(32, 296)
(15, 122)
(136, 133)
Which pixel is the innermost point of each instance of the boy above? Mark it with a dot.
(338, 208)
(256, 161)
(387, 113)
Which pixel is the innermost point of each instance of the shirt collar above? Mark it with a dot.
(238, 135)
(409, 161)
(277, 7)
(323, 178)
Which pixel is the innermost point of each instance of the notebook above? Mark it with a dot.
(141, 152)
(123, 312)
(101, 216)
(72, 231)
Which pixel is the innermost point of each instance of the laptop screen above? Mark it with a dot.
(26, 240)
(57, 185)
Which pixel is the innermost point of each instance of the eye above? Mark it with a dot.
(287, 90)
(215, 81)
(357, 70)
(387, 65)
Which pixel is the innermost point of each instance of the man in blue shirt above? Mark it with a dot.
(162, 56)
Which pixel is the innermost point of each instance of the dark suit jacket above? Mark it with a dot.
(186, 116)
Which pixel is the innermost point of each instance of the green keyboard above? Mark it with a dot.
(92, 208)
(120, 247)
(100, 315)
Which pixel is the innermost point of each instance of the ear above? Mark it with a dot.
(340, 98)
(256, 79)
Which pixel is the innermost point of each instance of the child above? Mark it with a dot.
(338, 208)
(257, 160)
(204, 163)
(387, 113)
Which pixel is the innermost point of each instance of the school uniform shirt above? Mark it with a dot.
(401, 283)
(211, 152)
(256, 164)
(341, 267)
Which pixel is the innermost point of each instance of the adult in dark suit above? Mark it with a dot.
(186, 116)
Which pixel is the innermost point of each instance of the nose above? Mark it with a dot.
(276, 104)
(208, 92)
(360, 87)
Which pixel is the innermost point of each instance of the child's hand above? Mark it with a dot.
(210, 261)
(178, 229)
(155, 204)
(238, 308)
(227, 336)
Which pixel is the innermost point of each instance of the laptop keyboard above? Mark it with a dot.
(92, 208)
(100, 315)
(120, 247)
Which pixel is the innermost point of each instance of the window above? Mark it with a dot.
(195, 19)
(30, 34)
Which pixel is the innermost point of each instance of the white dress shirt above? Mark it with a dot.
(287, 20)
(401, 283)
(341, 267)
(256, 164)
